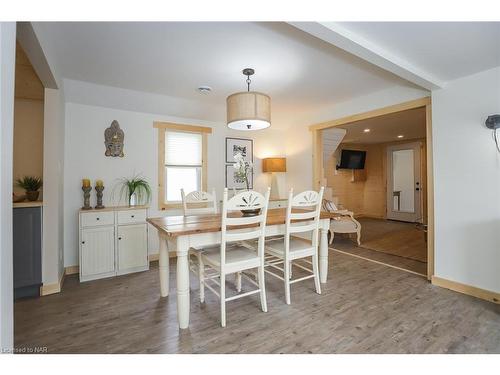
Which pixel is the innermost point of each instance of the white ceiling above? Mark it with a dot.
(409, 123)
(298, 71)
(447, 50)
(303, 74)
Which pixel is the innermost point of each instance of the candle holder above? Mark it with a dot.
(86, 197)
(99, 190)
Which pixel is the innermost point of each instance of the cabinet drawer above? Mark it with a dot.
(131, 216)
(92, 219)
(277, 204)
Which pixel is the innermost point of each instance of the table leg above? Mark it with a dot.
(183, 281)
(323, 255)
(164, 266)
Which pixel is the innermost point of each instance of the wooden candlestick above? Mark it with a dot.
(99, 189)
(86, 197)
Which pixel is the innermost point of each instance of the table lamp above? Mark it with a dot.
(277, 167)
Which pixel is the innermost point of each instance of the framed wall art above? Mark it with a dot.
(243, 146)
(233, 181)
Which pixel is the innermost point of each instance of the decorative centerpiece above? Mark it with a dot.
(86, 194)
(99, 187)
(136, 190)
(31, 185)
(242, 170)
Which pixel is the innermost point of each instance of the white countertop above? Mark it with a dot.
(115, 208)
(26, 204)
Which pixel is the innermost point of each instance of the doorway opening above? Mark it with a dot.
(389, 194)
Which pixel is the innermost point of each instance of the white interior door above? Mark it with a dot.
(404, 184)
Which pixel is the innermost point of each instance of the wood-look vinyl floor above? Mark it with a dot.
(364, 308)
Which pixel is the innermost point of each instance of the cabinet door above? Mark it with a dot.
(27, 234)
(97, 251)
(132, 246)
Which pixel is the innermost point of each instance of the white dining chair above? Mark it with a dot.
(302, 218)
(192, 201)
(198, 203)
(235, 255)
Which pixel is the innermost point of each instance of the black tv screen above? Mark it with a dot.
(352, 159)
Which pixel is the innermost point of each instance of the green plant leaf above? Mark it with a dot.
(29, 183)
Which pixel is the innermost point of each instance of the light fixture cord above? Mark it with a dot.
(248, 83)
(496, 140)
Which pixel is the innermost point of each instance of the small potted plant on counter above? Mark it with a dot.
(31, 185)
(136, 189)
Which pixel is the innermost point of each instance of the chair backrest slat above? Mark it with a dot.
(195, 198)
(303, 215)
(235, 221)
(302, 228)
(242, 235)
(299, 221)
(246, 200)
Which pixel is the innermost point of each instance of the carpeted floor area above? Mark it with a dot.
(394, 237)
(390, 242)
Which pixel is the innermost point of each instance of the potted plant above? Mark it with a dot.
(31, 185)
(136, 189)
(243, 169)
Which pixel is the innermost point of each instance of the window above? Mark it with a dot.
(181, 161)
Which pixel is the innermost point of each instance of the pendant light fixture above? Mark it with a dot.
(248, 110)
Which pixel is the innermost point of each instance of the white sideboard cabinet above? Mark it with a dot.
(278, 203)
(113, 241)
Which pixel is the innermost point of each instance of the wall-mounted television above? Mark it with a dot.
(352, 159)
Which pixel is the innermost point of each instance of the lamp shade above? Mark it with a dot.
(274, 165)
(248, 110)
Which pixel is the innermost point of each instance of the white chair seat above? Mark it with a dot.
(343, 223)
(237, 256)
(299, 247)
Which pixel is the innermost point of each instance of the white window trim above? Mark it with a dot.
(163, 127)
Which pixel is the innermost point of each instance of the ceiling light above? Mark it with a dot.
(400, 136)
(205, 89)
(366, 130)
(248, 110)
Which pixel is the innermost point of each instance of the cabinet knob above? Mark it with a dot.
(97, 218)
(119, 238)
(83, 242)
(132, 215)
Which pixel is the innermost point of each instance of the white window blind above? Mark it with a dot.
(183, 149)
(183, 163)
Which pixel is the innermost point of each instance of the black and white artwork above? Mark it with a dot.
(239, 145)
(233, 181)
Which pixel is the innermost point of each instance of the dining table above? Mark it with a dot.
(180, 233)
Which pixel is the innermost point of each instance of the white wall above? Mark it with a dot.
(467, 181)
(84, 157)
(53, 168)
(7, 63)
